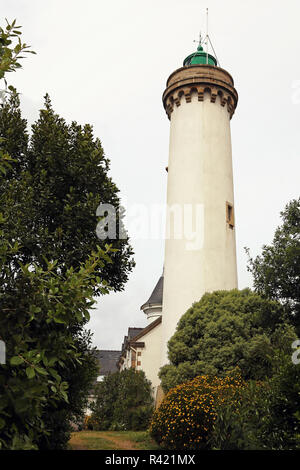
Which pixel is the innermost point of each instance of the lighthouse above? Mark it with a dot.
(200, 248)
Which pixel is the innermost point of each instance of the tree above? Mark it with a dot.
(276, 272)
(51, 267)
(61, 418)
(39, 308)
(225, 330)
(58, 179)
(123, 401)
(11, 48)
(62, 179)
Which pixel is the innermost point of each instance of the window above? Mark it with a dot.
(229, 215)
(133, 359)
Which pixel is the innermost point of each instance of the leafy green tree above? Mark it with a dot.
(51, 267)
(106, 397)
(225, 330)
(11, 48)
(62, 179)
(38, 310)
(58, 179)
(123, 401)
(276, 272)
(60, 418)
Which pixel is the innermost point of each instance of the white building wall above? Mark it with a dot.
(151, 355)
(199, 172)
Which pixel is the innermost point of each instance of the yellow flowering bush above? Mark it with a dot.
(185, 418)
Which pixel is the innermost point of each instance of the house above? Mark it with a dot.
(141, 348)
(107, 362)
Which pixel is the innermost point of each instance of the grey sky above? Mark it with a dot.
(106, 63)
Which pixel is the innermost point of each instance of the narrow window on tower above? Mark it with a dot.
(229, 215)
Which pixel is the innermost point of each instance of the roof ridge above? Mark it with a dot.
(148, 328)
(108, 350)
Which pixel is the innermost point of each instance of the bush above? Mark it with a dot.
(264, 416)
(185, 418)
(124, 401)
(224, 330)
(239, 425)
(285, 405)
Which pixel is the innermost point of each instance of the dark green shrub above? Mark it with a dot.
(236, 424)
(263, 416)
(124, 401)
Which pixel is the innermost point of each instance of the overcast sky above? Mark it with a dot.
(106, 63)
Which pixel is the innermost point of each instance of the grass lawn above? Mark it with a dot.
(112, 440)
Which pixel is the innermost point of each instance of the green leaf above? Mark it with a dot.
(58, 320)
(16, 361)
(30, 372)
(55, 374)
(65, 396)
(41, 371)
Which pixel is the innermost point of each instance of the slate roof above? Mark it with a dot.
(132, 332)
(108, 361)
(157, 294)
(148, 328)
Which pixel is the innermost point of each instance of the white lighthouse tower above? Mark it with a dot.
(199, 100)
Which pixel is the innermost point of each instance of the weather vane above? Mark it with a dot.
(206, 41)
(199, 41)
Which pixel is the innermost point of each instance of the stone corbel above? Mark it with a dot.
(200, 93)
(176, 98)
(188, 96)
(213, 94)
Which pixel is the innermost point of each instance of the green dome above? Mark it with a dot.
(200, 58)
